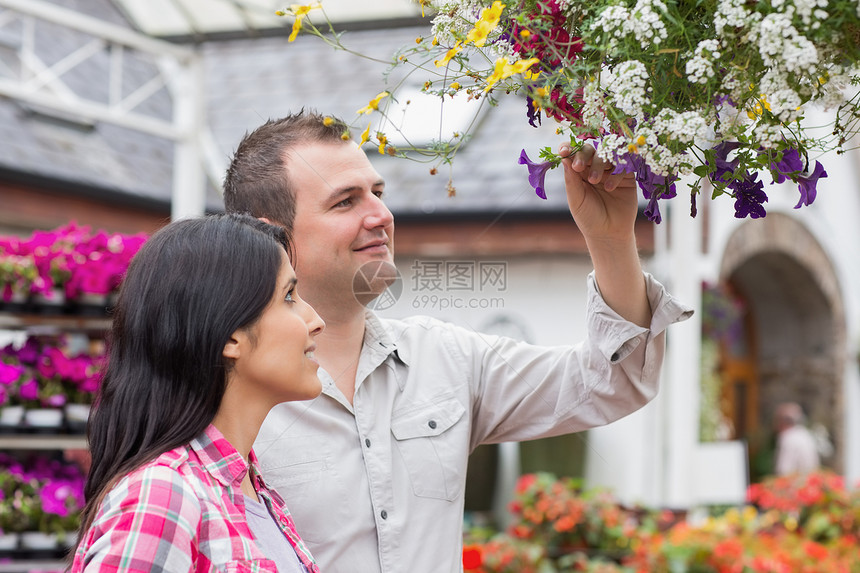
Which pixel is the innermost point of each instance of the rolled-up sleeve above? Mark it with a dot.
(523, 392)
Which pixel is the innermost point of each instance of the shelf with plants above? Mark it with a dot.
(55, 293)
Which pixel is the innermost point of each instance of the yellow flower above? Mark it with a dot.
(761, 105)
(382, 141)
(542, 92)
(525, 34)
(300, 11)
(448, 55)
(522, 66)
(365, 135)
(372, 105)
(419, 39)
(632, 149)
(455, 85)
(327, 121)
(640, 140)
(503, 69)
(345, 136)
(488, 21)
(530, 75)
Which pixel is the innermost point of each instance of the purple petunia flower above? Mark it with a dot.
(749, 196)
(807, 185)
(723, 165)
(791, 163)
(653, 186)
(537, 173)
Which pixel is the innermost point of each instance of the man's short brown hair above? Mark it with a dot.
(257, 181)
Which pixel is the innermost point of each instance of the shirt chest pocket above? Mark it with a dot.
(434, 447)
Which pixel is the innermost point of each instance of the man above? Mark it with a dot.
(796, 449)
(374, 469)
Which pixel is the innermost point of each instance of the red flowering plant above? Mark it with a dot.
(722, 545)
(505, 554)
(565, 518)
(816, 505)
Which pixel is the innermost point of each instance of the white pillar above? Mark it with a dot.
(189, 114)
(682, 371)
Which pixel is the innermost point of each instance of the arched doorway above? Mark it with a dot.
(794, 347)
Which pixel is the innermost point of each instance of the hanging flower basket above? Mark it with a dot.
(721, 91)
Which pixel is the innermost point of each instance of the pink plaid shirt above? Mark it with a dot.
(185, 511)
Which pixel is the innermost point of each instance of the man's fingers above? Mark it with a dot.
(580, 160)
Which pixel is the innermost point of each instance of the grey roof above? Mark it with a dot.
(40, 142)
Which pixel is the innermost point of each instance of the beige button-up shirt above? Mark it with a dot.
(378, 486)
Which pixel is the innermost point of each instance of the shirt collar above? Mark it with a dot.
(379, 338)
(219, 458)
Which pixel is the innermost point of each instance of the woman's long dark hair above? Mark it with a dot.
(190, 287)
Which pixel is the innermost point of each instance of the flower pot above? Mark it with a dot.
(67, 539)
(77, 416)
(16, 302)
(38, 541)
(51, 302)
(44, 418)
(11, 417)
(91, 304)
(8, 542)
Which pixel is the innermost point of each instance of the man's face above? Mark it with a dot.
(341, 222)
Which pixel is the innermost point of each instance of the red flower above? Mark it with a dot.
(472, 557)
(525, 483)
(815, 550)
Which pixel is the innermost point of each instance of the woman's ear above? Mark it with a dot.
(233, 348)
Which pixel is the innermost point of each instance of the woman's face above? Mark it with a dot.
(274, 359)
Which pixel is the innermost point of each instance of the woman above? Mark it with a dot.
(208, 334)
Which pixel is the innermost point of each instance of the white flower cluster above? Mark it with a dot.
(834, 85)
(807, 9)
(768, 134)
(700, 68)
(733, 14)
(645, 143)
(781, 46)
(592, 109)
(784, 101)
(686, 127)
(643, 21)
(627, 84)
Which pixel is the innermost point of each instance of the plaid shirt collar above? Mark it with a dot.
(221, 460)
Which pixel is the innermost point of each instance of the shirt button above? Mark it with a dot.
(367, 442)
(432, 424)
(614, 356)
(383, 514)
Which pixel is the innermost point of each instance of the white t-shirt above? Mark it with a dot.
(796, 452)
